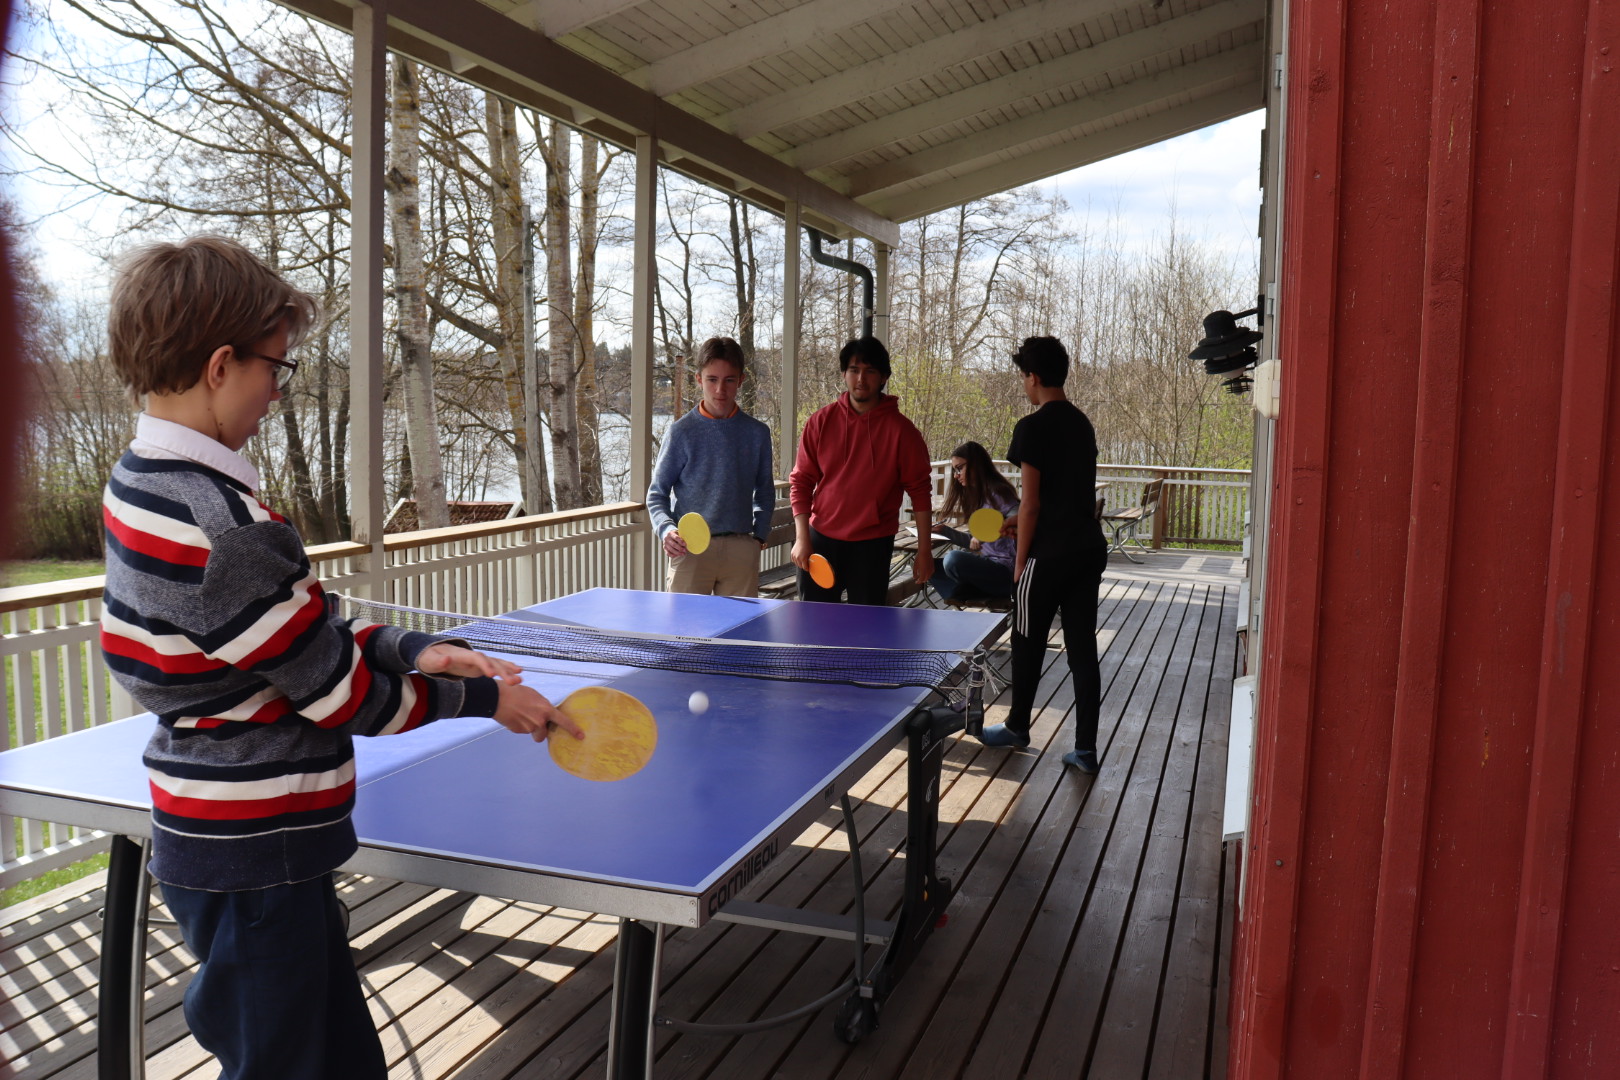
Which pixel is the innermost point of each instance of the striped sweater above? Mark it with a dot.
(214, 621)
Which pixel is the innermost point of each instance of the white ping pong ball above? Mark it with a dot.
(698, 702)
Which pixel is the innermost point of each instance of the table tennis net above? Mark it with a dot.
(848, 665)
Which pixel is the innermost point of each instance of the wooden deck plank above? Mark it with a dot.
(1183, 1019)
(1034, 780)
(1097, 862)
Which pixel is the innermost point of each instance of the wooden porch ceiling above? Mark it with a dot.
(866, 112)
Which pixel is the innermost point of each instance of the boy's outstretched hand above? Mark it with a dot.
(447, 659)
(519, 709)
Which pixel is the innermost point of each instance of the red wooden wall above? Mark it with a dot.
(1434, 850)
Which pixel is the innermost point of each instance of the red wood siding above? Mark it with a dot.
(1434, 865)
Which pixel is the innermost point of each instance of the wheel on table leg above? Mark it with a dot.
(857, 1017)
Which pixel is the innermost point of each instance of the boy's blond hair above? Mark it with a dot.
(173, 305)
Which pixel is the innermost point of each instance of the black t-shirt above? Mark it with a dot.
(1059, 441)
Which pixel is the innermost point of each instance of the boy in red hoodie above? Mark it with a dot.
(856, 457)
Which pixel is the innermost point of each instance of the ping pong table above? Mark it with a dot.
(463, 804)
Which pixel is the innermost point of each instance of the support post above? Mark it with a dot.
(641, 348)
(880, 291)
(787, 435)
(370, 104)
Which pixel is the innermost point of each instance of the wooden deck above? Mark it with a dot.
(1087, 936)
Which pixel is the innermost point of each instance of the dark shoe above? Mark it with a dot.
(1002, 735)
(1084, 760)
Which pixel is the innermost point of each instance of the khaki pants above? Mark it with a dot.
(730, 567)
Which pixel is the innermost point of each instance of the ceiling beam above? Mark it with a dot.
(1115, 54)
(1243, 65)
(798, 27)
(556, 18)
(929, 57)
(1005, 175)
(535, 71)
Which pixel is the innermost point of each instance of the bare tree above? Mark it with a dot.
(410, 293)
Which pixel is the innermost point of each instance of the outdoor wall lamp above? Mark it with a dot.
(1228, 347)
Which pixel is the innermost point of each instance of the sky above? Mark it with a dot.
(1210, 180)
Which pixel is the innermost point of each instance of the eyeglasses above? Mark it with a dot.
(960, 470)
(284, 376)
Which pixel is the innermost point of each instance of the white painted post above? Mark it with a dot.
(641, 349)
(370, 104)
(787, 437)
(880, 292)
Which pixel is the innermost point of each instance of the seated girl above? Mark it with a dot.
(984, 571)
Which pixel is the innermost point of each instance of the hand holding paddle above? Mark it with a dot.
(525, 712)
(618, 734)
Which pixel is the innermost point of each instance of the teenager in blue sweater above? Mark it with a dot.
(716, 461)
(214, 621)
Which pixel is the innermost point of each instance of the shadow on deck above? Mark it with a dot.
(1087, 937)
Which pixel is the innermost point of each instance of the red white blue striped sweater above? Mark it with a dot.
(214, 621)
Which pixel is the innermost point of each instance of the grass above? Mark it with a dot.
(27, 890)
(38, 571)
(34, 572)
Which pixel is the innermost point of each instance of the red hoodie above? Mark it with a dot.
(852, 468)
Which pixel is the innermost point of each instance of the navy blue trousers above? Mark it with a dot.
(276, 995)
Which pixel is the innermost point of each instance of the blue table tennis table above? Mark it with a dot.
(466, 805)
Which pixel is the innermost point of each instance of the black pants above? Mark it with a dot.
(860, 568)
(1047, 587)
(276, 994)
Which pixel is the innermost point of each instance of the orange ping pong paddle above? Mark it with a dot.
(821, 571)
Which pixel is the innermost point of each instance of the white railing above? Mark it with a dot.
(1198, 507)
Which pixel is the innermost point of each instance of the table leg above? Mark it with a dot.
(635, 997)
(926, 893)
(120, 1035)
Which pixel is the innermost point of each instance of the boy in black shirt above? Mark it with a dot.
(1061, 551)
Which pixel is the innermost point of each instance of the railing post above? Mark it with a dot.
(1165, 502)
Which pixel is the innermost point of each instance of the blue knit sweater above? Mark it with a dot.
(214, 621)
(718, 468)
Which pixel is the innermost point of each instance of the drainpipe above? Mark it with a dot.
(848, 266)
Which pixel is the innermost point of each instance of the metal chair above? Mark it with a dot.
(1123, 524)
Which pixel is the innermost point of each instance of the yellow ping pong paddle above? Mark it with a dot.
(984, 524)
(821, 571)
(620, 735)
(695, 531)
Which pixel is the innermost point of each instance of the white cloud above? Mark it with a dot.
(1209, 178)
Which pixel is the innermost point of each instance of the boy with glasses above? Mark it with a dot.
(214, 621)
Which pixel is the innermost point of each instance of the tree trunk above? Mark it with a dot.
(559, 303)
(536, 390)
(590, 452)
(745, 279)
(410, 294)
(511, 246)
